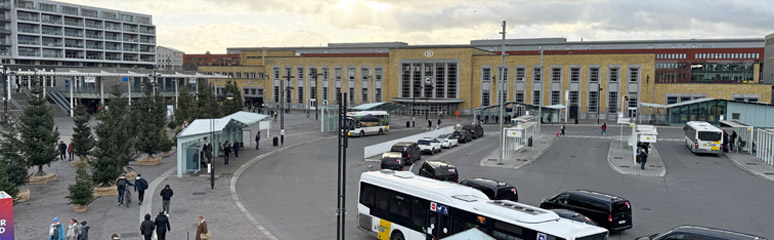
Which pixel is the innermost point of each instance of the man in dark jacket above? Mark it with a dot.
(140, 185)
(84, 231)
(162, 225)
(733, 140)
(166, 196)
(226, 151)
(257, 139)
(146, 228)
(121, 186)
(235, 147)
(62, 151)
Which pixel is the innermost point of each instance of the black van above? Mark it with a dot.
(393, 160)
(493, 189)
(439, 169)
(697, 232)
(609, 211)
(409, 151)
(476, 130)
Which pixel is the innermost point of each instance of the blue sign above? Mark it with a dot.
(125, 79)
(541, 236)
(439, 208)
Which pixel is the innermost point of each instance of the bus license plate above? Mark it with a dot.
(622, 222)
(714, 148)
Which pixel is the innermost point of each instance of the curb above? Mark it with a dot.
(536, 156)
(615, 168)
(241, 169)
(747, 169)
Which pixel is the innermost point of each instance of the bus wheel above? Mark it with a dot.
(362, 133)
(397, 235)
(381, 132)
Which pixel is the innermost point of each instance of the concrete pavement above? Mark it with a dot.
(621, 160)
(523, 157)
(752, 165)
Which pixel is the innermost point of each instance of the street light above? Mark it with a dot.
(6, 91)
(428, 87)
(599, 98)
(317, 92)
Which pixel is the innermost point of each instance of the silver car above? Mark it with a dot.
(447, 140)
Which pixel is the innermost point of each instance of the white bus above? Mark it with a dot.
(703, 137)
(368, 123)
(399, 205)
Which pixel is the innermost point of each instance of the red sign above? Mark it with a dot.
(6, 216)
(457, 113)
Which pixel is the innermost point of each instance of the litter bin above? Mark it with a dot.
(275, 141)
(529, 142)
(408, 124)
(576, 121)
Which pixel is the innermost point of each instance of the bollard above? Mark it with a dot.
(275, 140)
(529, 142)
(408, 124)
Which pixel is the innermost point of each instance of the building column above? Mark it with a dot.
(101, 91)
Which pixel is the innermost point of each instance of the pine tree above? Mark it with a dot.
(234, 105)
(149, 116)
(82, 192)
(13, 165)
(83, 140)
(115, 139)
(187, 107)
(206, 102)
(38, 135)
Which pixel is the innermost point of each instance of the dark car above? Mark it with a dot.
(575, 216)
(608, 211)
(439, 169)
(698, 232)
(393, 160)
(476, 130)
(493, 189)
(463, 136)
(409, 151)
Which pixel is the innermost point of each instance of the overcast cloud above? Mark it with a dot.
(196, 26)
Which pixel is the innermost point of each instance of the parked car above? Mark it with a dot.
(409, 151)
(393, 160)
(608, 211)
(439, 169)
(447, 140)
(495, 190)
(429, 145)
(575, 216)
(476, 130)
(463, 136)
(698, 232)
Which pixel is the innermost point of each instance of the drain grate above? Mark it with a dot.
(623, 166)
(769, 173)
(129, 235)
(198, 193)
(492, 159)
(751, 163)
(617, 157)
(645, 209)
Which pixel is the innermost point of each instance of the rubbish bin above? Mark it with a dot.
(408, 124)
(275, 141)
(576, 121)
(529, 142)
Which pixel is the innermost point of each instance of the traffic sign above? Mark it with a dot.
(457, 113)
(428, 80)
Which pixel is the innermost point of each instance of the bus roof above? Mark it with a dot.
(474, 201)
(365, 113)
(703, 126)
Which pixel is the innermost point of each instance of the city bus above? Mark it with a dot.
(703, 137)
(367, 123)
(399, 205)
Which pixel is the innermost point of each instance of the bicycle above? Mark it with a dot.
(127, 197)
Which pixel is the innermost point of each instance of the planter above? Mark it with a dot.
(130, 176)
(166, 154)
(149, 161)
(80, 208)
(105, 191)
(45, 179)
(76, 162)
(23, 196)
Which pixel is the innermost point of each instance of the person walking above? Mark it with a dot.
(147, 227)
(166, 196)
(236, 146)
(140, 185)
(257, 140)
(73, 230)
(733, 140)
(162, 225)
(70, 149)
(562, 129)
(226, 152)
(604, 128)
(643, 157)
(202, 232)
(84, 231)
(438, 126)
(429, 123)
(121, 186)
(56, 231)
(62, 150)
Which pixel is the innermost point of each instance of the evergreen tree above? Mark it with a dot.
(149, 116)
(206, 103)
(83, 140)
(82, 192)
(115, 139)
(187, 107)
(38, 135)
(234, 105)
(13, 167)
(6, 184)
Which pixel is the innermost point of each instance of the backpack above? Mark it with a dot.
(122, 183)
(56, 233)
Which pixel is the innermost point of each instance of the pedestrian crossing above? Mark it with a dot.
(616, 137)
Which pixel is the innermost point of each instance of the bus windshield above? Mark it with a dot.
(709, 136)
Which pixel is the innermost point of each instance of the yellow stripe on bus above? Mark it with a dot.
(384, 230)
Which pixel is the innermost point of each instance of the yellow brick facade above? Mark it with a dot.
(719, 91)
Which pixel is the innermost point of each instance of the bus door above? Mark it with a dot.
(440, 223)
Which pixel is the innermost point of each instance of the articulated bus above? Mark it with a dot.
(703, 137)
(368, 123)
(398, 205)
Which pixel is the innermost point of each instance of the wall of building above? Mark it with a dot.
(752, 114)
(720, 91)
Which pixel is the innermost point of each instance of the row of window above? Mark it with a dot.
(670, 56)
(557, 73)
(338, 72)
(239, 75)
(726, 55)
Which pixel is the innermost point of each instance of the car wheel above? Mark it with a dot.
(362, 133)
(432, 151)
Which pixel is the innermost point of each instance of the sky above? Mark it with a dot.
(197, 26)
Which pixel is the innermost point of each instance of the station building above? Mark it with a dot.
(594, 79)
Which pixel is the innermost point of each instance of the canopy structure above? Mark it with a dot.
(103, 73)
(192, 138)
(383, 106)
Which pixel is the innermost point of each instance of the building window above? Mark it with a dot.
(593, 102)
(633, 100)
(537, 74)
(574, 98)
(520, 72)
(301, 75)
(405, 81)
(612, 102)
(486, 83)
(364, 97)
(486, 74)
(536, 97)
(451, 80)
(440, 80)
(485, 100)
(556, 97)
(556, 74)
(238, 75)
(378, 95)
(351, 74)
(593, 74)
(276, 73)
(502, 86)
(574, 74)
(519, 97)
(351, 95)
(338, 95)
(634, 74)
(276, 94)
(671, 100)
(300, 95)
(338, 74)
(378, 74)
(613, 74)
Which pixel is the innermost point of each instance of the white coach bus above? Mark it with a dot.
(703, 137)
(398, 205)
(368, 123)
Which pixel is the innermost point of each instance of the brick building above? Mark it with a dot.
(193, 61)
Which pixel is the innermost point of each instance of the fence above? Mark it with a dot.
(762, 147)
(516, 138)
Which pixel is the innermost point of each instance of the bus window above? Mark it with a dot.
(710, 136)
(367, 193)
(419, 213)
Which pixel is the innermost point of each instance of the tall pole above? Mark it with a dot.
(6, 93)
(71, 99)
(282, 108)
(338, 168)
(129, 86)
(212, 140)
(500, 91)
(344, 176)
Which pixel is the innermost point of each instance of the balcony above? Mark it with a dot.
(27, 18)
(73, 56)
(52, 44)
(71, 23)
(114, 58)
(130, 29)
(93, 36)
(147, 41)
(5, 30)
(128, 59)
(130, 40)
(113, 27)
(29, 30)
(148, 60)
(108, 37)
(54, 33)
(128, 49)
(147, 31)
(73, 34)
(29, 54)
(70, 45)
(116, 48)
(93, 47)
(94, 57)
(147, 50)
(98, 26)
(25, 42)
(52, 55)
(51, 21)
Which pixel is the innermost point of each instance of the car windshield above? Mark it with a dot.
(709, 136)
(398, 149)
(468, 127)
(423, 142)
(446, 171)
(443, 136)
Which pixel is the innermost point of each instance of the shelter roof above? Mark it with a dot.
(205, 126)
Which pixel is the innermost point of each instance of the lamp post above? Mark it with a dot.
(6, 92)
(599, 99)
(283, 89)
(428, 87)
(317, 92)
(155, 80)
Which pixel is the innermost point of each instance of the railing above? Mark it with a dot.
(73, 56)
(113, 27)
(147, 50)
(111, 37)
(147, 41)
(23, 42)
(112, 48)
(93, 57)
(130, 49)
(29, 30)
(129, 29)
(94, 26)
(29, 54)
(148, 60)
(5, 53)
(93, 36)
(130, 40)
(72, 34)
(763, 146)
(51, 21)
(27, 18)
(73, 45)
(26, 6)
(52, 44)
(94, 47)
(130, 59)
(147, 31)
(70, 12)
(52, 55)
(52, 33)
(113, 58)
(78, 24)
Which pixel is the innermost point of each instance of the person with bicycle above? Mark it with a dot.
(121, 185)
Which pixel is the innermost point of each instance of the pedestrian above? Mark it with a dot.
(84, 231)
(62, 151)
(413, 121)
(147, 227)
(562, 128)
(73, 229)
(202, 232)
(121, 186)
(275, 115)
(56, 231)
(604, 128)
(226, 152)
(486, 119)
(162, 225)
(438, 126)
(643, 157)
(208, 152)
(733, 140)
(70, 150)
(725, 141)
(257, 140)
(140, 185)
(429, 123)
(166, 196)
(236, 149)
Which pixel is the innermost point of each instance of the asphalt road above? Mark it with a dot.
(293, 194)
